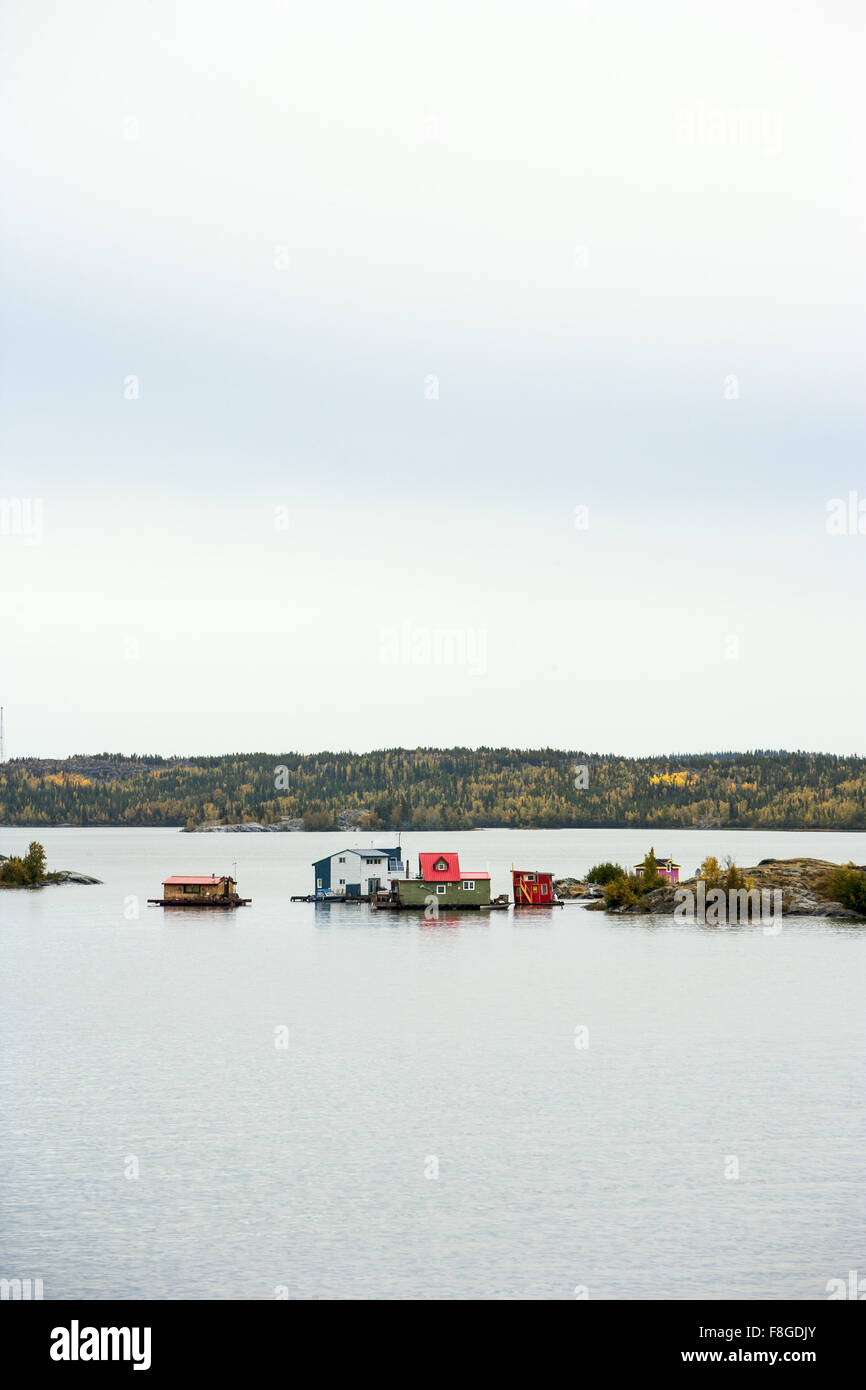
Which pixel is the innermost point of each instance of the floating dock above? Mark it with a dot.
(200, 890)
(209, 902)
(390, 902)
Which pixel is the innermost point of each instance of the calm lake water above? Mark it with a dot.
(149, 1041)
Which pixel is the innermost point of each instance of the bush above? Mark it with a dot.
(846, 885)
(318, 820)
(605, 873)
(726, 876)
(13, 870)
(710, 871)
(30, 869)
(623, 892)
(733, 878)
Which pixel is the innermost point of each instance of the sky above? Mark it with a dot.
(405, 374)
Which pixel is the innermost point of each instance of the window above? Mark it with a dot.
(441, 866)
(342, 859)
(191, 888)
(530, 878)
(318, 883)
(544, 890)
(440, 887)
(469, 884)
(341, 882)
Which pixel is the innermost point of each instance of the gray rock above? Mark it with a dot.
(71, 876)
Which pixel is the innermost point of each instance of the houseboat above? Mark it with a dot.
(533, 889)
(355, 875)
(441, 881)
(199, 890)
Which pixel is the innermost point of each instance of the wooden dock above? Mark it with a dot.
(387, 902)
(336, 898)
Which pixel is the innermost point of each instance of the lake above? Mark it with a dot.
(482, 1106)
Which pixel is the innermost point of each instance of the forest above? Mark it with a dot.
(440, 789)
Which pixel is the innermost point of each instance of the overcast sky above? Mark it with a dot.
(380, 374)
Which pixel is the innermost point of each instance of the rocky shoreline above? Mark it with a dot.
(348, 823)
(575, 889)
(59, 876)
(250, 827)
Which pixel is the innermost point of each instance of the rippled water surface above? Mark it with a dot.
(148, 1042)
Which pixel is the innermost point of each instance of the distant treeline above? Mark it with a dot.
(442, 789)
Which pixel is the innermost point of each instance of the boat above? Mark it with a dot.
(533, 888)
(200, 890)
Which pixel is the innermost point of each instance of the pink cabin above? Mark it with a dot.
(668, 870)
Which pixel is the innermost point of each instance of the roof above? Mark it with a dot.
(196, 878)
(451, 874)
(662, 861)
(361, 853)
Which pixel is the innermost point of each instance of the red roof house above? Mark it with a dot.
(532, 888)
(193, 878)
(445, 868)
(443, 883)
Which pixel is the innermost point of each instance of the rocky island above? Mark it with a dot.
(29, 871)
(807, 888)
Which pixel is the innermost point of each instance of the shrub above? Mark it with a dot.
(30, 869)
(623, 892)
(710, 871)
(605, 873)
(13, 870)
(726, 876)
(846, 885)
(734, 878)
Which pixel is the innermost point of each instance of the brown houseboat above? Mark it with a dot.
(200, 890)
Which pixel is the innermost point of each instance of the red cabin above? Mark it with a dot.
(532, 889)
